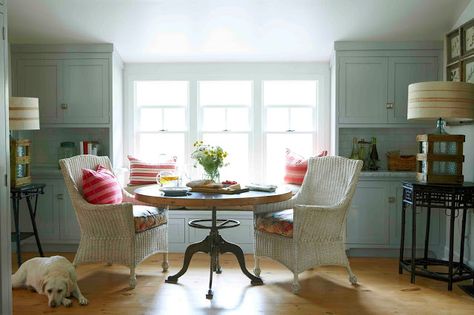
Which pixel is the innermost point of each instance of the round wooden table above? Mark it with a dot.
(213, 244)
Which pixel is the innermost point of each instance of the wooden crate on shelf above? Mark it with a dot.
(440, 158)
(20, 162)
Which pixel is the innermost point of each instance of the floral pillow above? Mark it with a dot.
(296, 167)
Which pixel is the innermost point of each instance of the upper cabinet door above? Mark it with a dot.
(40, 78)
(362, 90)
(402, 72)
(86, 91)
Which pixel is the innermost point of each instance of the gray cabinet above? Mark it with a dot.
(55, 218)
(404, 71)
(362, 89)
(374, 220)
(74, 91)
(40, 78)
(372, 79)
(367, 221)
(85, 91)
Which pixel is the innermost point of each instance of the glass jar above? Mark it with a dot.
(66, 150)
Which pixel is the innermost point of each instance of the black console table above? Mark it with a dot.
(455, 200)
(27, 192)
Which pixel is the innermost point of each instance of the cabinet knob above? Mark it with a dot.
(389, 105)
(60, 196)
(391, 199)
(64, 106)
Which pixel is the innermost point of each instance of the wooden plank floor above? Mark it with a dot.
(324, 290)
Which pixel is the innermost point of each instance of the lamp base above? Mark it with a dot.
(20, 162)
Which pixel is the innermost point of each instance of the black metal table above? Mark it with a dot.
(27, 192)
(455, 200)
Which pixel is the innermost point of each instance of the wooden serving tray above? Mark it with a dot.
(218, 190)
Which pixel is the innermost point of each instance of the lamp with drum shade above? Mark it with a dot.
(440, 155)
(23, 115)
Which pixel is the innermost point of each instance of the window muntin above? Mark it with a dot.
(255, 131)
(161, 122)
(289, 122)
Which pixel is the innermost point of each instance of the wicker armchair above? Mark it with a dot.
(319, 219)
(108, 231)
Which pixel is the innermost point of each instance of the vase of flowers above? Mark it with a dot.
(211, 158)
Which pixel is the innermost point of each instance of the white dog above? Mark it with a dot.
(54, 276)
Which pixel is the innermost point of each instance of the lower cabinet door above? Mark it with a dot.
(68, 226)
(367, 221)
(46, 215)
(421, 220)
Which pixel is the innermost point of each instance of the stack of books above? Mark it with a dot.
(89, 147)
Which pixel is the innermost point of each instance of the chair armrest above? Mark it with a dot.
(128, 197)
(315, 222)
(106, 220)
(277, 206)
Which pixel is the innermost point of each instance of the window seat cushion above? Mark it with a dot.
(148, 217)
(280, 223)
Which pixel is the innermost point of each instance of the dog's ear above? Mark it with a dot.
(69, 285)
(43, 283)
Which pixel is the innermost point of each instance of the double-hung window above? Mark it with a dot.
(253, 118)
(289, 122)
(225, 111)
(161, 122)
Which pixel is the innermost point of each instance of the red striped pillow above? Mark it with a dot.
(296, 167)
(142, 173)
(101, 186)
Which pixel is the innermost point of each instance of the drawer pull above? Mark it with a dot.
(60, 196)
(64, 106)
(389, 105)
(391, 199)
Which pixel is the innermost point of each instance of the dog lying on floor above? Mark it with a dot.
(52, 276)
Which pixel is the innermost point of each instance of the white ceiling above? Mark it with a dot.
(228, 30)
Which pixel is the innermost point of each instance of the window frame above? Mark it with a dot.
(256, 72)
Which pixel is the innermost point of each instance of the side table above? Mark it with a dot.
(455, 200)
(27, 192)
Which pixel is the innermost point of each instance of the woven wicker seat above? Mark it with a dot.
(319, 219)
(108, 231)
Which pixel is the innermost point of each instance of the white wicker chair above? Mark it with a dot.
(319, 219)
(108, 231)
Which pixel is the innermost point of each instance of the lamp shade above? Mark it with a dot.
(24, 113)
(451, 101)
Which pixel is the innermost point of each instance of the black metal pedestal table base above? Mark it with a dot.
(214, 245)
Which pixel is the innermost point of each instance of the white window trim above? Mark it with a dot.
(256, 72)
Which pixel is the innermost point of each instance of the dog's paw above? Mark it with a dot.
(67, 302)
(83, 301)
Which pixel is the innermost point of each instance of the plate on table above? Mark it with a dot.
(175, 191)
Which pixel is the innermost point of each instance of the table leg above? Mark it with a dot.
(427, 237)
(226, 247)
(463, 232)
(451, 248)
(413, 239)
(16, 217)
(402, 238)
(33, 223)
(202, 246)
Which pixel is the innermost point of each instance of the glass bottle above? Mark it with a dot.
(66, 150)
(374, 156)
(355, 149)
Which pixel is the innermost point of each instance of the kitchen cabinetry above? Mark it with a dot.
(80, 97)
(71, 91)
(374, 220)
(55, 217)
(372, 81)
